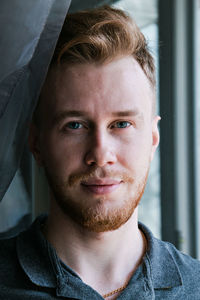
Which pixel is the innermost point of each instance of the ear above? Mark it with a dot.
(34, 143)
(155, 135)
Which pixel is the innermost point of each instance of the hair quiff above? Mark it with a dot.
(101, 35)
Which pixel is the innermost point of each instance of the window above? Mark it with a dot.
(197, 105)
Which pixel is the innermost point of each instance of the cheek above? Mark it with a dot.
(135, 152)
(61, 155)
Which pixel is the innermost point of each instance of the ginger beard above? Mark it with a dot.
(96, 215)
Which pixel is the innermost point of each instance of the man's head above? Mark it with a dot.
(95, 130)
(100, 36)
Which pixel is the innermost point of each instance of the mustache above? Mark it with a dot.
(99, 173)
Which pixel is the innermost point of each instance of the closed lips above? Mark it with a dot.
(100, 187)
(100, 182)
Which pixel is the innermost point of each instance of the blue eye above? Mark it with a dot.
(74, 125)
(122, 124)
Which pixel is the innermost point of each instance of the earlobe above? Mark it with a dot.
(155, 135)
(33, 142)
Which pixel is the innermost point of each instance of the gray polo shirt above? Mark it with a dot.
(31, 269)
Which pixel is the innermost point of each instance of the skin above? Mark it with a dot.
(96, 162)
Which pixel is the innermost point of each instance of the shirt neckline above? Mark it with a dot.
(43, 267)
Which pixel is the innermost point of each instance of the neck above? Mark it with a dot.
(102, 260)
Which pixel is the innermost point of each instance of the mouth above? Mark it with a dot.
(101, 186)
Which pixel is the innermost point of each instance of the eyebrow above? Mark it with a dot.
(68, 113)
(126, 113)
(78, 113)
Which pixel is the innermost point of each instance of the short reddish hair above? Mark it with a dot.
(101, 35)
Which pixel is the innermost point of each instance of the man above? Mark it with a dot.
(95, 132)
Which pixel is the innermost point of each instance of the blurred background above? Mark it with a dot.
(171, 203)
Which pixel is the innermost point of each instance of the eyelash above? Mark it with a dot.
(73, 122)
(118, 122)
(112, 126)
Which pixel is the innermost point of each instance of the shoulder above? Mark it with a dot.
(188, 266)
(11, 273)
(183, 270)
(169, 255)
(8, 255)
(7, 248)
(172, 272)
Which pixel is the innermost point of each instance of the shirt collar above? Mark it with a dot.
(32, 250)
(163, 270)
(45, 270)
(41, 264)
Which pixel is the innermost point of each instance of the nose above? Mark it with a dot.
(101, 151)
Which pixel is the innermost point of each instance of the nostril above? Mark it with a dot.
(100, 156)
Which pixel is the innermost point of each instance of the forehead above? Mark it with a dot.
(119, 85)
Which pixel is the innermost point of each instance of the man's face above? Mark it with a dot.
(96, 140)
